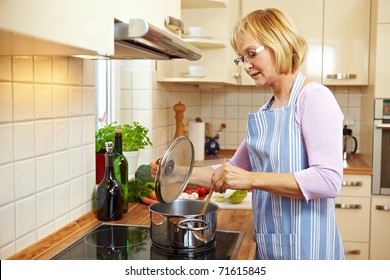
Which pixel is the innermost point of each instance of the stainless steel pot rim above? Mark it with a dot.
(160, 208)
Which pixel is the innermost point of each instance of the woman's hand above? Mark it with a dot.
(228, 176)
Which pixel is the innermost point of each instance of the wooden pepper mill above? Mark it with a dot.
(179, 109)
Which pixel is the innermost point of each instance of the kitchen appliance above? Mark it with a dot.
(381, 148)
(138, 39)
(179, 224)
(132, 242)
(350, 143)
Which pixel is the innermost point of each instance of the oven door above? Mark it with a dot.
(381, 156)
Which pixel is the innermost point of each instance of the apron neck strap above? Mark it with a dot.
(296, 88)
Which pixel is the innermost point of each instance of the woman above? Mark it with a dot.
(291, 157)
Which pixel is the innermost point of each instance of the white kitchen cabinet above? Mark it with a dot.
(308, 22)
(155, 12)
(217, 19)
(380, 228)
(383, 11)
(382, 61)
(338, 43)
(353, 207)
(40, 27)
(346, 42)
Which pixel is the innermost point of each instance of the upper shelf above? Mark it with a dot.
(200, 4)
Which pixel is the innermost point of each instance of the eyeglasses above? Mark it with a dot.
(239, 61)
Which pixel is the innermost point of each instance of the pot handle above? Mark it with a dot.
(180, 224)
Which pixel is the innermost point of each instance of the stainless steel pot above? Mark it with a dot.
(179, 225)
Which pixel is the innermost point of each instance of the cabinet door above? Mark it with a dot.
(356, 250)
(346, 42)
(383, 11)
(353, 218)
(41, 27)
(356, 185)
(380, 228)
(382, 75)
(308, 21)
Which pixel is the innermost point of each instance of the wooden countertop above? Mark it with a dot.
(138, 214)
(353, 165)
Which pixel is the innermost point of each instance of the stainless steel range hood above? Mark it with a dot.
(140, 40)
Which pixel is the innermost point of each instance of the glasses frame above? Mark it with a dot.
(252, 54)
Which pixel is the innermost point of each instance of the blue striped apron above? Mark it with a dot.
(287, 228)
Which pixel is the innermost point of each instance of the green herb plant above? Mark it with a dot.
(134, 137)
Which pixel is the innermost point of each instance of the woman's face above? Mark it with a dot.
(262, 67)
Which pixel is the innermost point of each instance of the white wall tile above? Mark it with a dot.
(24, 143)
(26, 240)
(75, 131)
(89, 129)
(45, 207)
(61, 167)
(43, 137)
(75, 71)
(22, 68)
(60, 70)
(5, 68)
(89, 188)
(42, 69)
(76, 101)
(76, 162)
(7, 184)
(88, 101)
(88, 72)
(23, 102)
(45, 230)
(26, 212)
(60, 101)
(43, 95)
(7, 250)
(141, 99)
(76, 192)
(125, 99)
(24, 178)
(7, 226)
(142, 79)
(44, 172)
(6, 143)
(62, 199)
(89, 158)
(61, 134)
(5, 102)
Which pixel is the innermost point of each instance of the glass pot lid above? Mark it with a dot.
(174, 170)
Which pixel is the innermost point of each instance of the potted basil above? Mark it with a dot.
(134, 138)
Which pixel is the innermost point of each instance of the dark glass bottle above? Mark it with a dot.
(121, 168)
(109, 193)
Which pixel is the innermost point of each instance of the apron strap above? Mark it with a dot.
(296, 88)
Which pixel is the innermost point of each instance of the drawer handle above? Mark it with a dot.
(352, 252)
(348, 206)
(341, 76)
(352, 183)
(382, 207)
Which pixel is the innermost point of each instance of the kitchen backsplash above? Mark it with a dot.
(47, 127)
(47, 146)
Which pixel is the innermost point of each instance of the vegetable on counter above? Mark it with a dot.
(139, 190)
(236, 197)
(143, 173)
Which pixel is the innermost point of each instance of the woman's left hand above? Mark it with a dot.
(228, 176)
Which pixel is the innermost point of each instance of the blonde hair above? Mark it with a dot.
(274, 29)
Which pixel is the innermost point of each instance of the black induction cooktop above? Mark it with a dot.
(133, 242)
